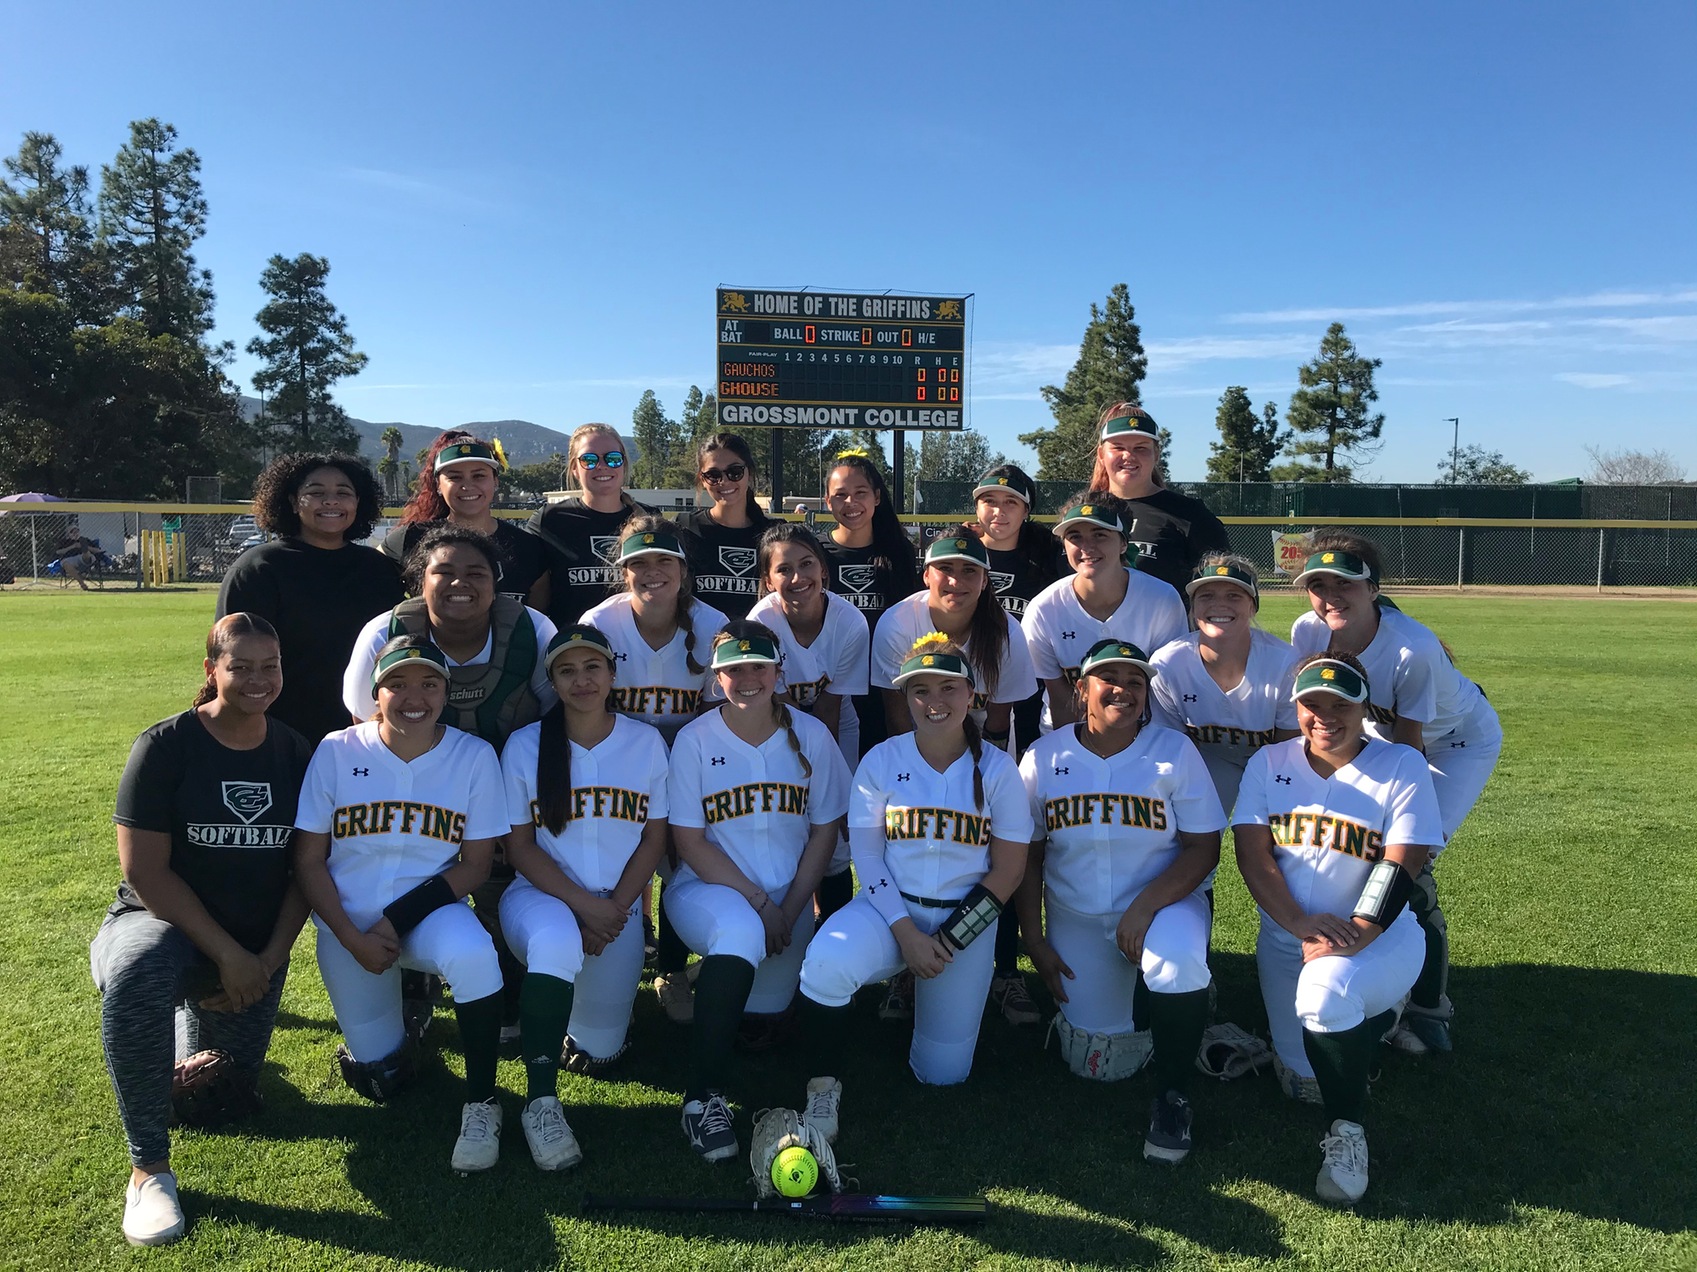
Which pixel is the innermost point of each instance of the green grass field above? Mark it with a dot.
(1560, 1135)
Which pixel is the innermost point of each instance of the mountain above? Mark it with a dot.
(524, 442)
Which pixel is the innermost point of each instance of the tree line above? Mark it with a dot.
(110, 385)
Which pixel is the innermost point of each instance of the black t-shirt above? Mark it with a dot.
(870, 588)
(317, 599)
(1016, 579)
(582, 546)
(229, 814)
(723, 560)
(526, 555)
(1172, 533)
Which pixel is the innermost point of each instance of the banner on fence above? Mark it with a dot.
(1290, 551)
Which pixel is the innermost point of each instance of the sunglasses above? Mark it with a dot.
(736, 472)
(613, 459)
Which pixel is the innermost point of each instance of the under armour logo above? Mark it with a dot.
(1069, 635)
(1190, 697)
(1458, 744)
(618, 657)
(1281, 778)
(718, 759)
(1059, 770)
(362, 772)
(902, 777)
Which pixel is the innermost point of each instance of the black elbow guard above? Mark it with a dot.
(1387, 891)
(975, 915)
(411, 908)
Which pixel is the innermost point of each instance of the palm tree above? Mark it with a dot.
(389, 467)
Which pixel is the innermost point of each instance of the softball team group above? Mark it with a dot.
(466, 758)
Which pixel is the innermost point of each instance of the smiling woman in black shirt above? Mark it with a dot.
(205, 915)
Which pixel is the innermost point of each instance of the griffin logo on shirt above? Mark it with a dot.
(1321, 830)
(398, 817)
(601, 801)
(936, 823)
(754, 797)
(655, 700)
(1141, 812)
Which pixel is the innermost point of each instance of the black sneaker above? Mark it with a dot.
(1169, 1129)
(708, 1126)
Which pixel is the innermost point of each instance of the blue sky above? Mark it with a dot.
(527, 207)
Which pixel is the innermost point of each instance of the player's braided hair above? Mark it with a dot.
(742, 629)
(222, 639)
(685, 621)
(938, 643)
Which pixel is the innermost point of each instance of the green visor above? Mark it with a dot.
(747, 649)
(403, 651)
(650, 541)
(1105, 653)
(1346, 565)
(1328, 676)
(581, 637)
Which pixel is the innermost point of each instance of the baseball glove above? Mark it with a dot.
(208, 1089)
(778, 1129)
(1229, 1052)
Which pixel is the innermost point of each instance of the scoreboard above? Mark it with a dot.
(806, 359)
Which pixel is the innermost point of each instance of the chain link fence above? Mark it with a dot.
(113, 545)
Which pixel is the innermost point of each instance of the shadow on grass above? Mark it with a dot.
(1548, 1102)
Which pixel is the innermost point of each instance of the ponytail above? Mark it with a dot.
(781, 713)
(554, 771)
(975, 742)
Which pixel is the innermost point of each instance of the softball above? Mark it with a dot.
(794, 1172)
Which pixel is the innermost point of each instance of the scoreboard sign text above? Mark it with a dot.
(839, 360)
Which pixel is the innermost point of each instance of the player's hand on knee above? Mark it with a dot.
(243, 979)
(777, 927)
(1330, 926)
(1052, 968)
(1133, 927)
(925, 956)
(600, 919)
(375, 953)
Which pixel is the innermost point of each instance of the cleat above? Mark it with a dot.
(1011, 995)
(1168, 1139)
(707, 1124)
(898, 1002)
(1343, 1171)
(479, 1144)
(824, 1107)
(552, 1144)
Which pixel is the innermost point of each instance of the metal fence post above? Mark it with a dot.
(1600, 533)
(1460, 554)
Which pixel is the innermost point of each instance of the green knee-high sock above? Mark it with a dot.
(825, 1037)
(1177, 1021)
(545, 1010)
(1434, 975)
(721, 993)
(1341, 1062)
(480, 1039)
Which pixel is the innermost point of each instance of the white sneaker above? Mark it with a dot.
(552, 1144)
(677, 996)
(152, 1213)
(1343, 1172)
(824, 1103)
(479, 1144)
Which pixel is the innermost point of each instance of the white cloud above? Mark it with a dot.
(1433, 308)
(1591, 380)
(1169, 355)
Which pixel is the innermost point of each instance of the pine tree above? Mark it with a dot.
(47, 229)
(1111, 364)
(1330, 412)
(657, 443)
(1247, 444)
(306, 347)
(151, 212)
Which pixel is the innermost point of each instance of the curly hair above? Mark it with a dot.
(447, 536)
(427, 503)
(652, 524)
(222, 639)
(275, 489)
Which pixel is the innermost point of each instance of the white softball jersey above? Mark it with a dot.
(1113, 824)
(616, 786)
(1411, 675)
(1328, 831)
(656, 686)
(356, 679)
(936, 837)
(907, 620)
(1227, 725)
(394, 823)
(1058, 630)
(757, 803)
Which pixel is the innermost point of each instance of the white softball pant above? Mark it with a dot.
(855, 948)
(449, 942)
(543, 933)
(1175, 960)
(1335, 993)
(1462, 763)
(714, 919)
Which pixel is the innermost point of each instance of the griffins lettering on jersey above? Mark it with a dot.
(398, 817)
(601, 801)
(754, 797)
(936, 823)
(1141, 812)
(805, 693)
(656, 700)
(1382, 716)
(1322, 830)
(1228, 735)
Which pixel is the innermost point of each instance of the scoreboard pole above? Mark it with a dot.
(898, 469)
(777, 469)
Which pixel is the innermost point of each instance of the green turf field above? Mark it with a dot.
(1560, 1135)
